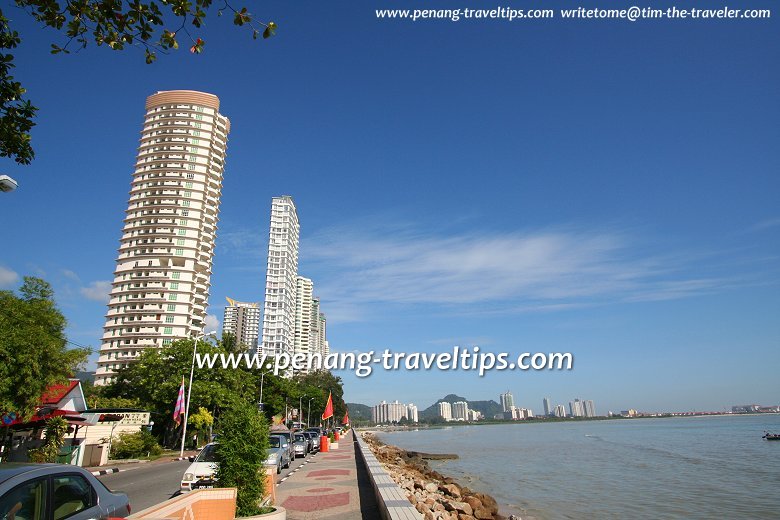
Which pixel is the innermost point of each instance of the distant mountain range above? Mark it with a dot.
(359, 411)
(486, 408)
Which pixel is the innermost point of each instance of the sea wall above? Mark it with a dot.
(435, 496)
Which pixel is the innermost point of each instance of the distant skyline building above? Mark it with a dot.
(588, 408)
(162, 278)
(243, 321)
(507, 401)
(445, 411)
(575, 408)
(460, 411)
(560, 411)
(278, 334)
(547, 406)
(412, 413)
(385, 412)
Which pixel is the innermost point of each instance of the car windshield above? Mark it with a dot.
(299, 437)
(274, 442)
(208, 454)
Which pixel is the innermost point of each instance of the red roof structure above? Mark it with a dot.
(56, 393)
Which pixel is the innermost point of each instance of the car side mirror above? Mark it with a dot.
(191, 458)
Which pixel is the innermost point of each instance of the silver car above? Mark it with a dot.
(301, 445)
(277, 453)
(44, 491)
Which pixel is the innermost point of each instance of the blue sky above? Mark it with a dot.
(605, 188)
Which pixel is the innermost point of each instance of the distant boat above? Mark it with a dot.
(771, 436)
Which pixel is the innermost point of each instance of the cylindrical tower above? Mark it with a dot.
(163, 269)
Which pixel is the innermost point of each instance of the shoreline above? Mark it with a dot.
(434, 495)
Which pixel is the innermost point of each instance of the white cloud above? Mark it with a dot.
(506, 272)
(212, 323)
(70, 274)
(97, 291)
(8, 278)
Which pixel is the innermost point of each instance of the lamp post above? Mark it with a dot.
(189, 390)
(308, 414)
(262, 375)
(300, 410)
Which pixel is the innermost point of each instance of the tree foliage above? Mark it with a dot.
(54, 438)
(153, 26)
(135, 445)
(242, 451)
(33, 347)
(154, 380)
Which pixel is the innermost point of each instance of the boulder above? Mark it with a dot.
(488, 502)
(483, 514)
(451, 489)
(459, 507)
(473, 501)
(431, 487)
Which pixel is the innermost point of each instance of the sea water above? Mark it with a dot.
(711, 467)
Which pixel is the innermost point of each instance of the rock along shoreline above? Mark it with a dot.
(434, 495)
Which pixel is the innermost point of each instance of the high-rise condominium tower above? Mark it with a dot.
(547, 406)
(243, 321)
(281, 278)
(162, 277)
(303, 315)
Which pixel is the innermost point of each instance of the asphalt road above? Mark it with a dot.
(150, 484)
(147, 485)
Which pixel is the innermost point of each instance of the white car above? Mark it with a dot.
(200, 474)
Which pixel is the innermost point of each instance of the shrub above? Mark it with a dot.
(134, 445)
(56, 428)
(242, 451)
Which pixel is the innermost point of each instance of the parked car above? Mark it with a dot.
(278, 455)
(45, 491)
(301, 445)
(314, 441)
(200, 474)
(290, 440)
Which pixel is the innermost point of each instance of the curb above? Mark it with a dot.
(106, 471)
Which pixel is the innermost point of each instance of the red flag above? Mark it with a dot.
(328, 408)
(345, 420)
(179, 410)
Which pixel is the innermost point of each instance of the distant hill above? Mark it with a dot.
(486, 408)
(359, 411)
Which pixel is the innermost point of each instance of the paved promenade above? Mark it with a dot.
(331, 485)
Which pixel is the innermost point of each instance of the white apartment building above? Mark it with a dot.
(243, 321)
(412, 413)
(507, 401)
(547, 406)
(575, 407)
(560, 411)
(460, 411)
(386, 412)
(162, 278)
(281, 279)
(445, 411)
(588, 408)
(304, 302)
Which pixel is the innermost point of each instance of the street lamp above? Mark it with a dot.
(300, 409)
(7, 183)
(308, 414)
(189, 390)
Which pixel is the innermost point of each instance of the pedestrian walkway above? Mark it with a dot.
(333, 485)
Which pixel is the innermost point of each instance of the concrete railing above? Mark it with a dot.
(390, 498)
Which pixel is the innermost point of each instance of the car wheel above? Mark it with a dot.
(279, 468)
